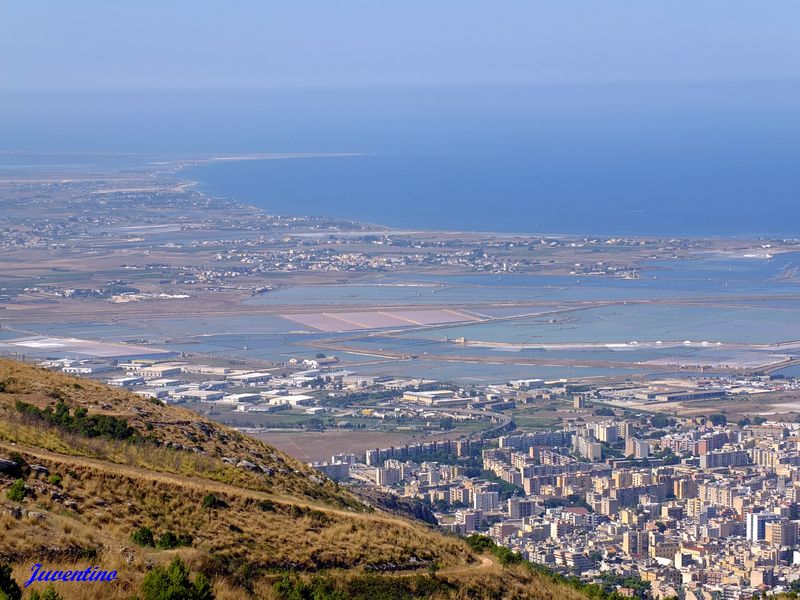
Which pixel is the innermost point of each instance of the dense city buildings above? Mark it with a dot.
(558, 394)
(688, 506)
(692, 509)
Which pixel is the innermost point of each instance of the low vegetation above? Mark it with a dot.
(363, 587)
(173, 582)
(49, 593)
(9, 589)
(79, 421)
(607, 589)
(144, 536)
(17, 492)
(186, 508)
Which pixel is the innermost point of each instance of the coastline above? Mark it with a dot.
(154, 171)
(202, 186)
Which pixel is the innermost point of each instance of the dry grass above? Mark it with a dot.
(286, 521)
(285, 535)
(509, 582)
(100, 509)
(183, 442)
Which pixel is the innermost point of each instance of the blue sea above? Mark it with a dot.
(675, 159)
(696, 161)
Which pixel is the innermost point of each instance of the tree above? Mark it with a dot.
(718, 420)
(173, 583)
(670, 458)
(9, 589)
(659, 421)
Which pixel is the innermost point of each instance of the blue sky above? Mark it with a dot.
(245, 44)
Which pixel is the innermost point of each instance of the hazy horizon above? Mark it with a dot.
(558, 114)
(91, 45)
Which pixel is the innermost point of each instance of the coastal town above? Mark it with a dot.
(700, 511)
(625, 488)
(399, 301)
(620, 410)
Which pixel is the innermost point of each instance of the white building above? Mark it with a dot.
(470, 519)
(293, 400)
(237, 398)
(199, 395)
(486, 501)
(587, 448)
(126, 382)
(756, 524)
(605, 432)
(431, 397)
(250, 378)
(162, 370)
(637, 448)
(387, 476)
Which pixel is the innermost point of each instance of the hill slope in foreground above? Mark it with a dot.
(102, 467)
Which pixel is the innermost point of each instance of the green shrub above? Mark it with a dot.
(48, 594)
(480, 543)
(507, 556)
(167, 541)
(17, 491)
(143, 537)
(54, 479)
(173, 583)
(211, 501)
(80, 421)
(9, 589)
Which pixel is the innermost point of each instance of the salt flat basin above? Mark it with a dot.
(353, 321)
(645, 323)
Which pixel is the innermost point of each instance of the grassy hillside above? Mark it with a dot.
(101, 468)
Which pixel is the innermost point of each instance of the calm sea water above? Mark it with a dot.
(521, 191)
(660, 160)
(666, 158)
